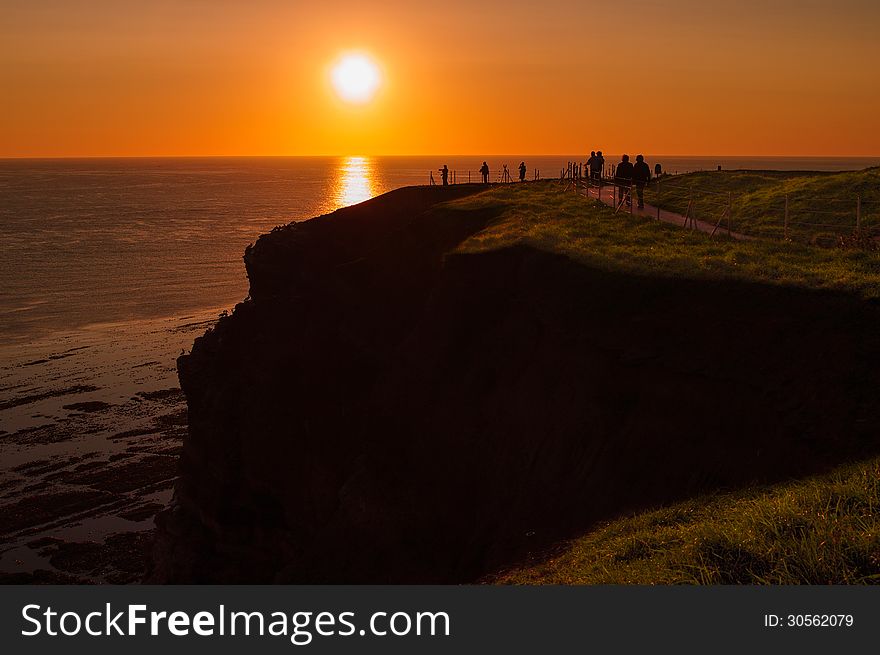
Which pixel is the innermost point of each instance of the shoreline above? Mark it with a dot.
(91, 423)
(15, 340)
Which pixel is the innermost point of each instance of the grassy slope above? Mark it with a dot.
(823, 530)
(819, 530)
(816, 200)
(544, 216)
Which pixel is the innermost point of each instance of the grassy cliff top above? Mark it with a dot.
(543, 215)
(823, 530)
(821, 206)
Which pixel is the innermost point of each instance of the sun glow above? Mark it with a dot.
(356, 78)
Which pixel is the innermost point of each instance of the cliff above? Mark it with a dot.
(387, 407)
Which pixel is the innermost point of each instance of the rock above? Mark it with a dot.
(88, 406)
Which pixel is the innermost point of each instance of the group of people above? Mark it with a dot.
(627, 175)
(484, 172)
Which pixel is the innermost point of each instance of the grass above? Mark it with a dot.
(822, 530)
(544, 216)
(822, 206)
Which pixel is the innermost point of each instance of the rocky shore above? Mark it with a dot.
(92, 425)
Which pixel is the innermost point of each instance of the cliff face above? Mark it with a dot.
(379, 411)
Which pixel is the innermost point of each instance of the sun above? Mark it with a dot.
(356, 78)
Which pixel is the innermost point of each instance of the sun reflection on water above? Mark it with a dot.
(355, 181)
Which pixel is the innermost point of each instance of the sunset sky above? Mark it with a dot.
(217, 77)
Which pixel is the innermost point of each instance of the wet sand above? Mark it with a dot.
(91, 424)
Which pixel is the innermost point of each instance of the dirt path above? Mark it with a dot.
(606, 195)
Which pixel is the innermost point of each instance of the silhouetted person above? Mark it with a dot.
(444, 174)
(658, 169)
(600, 163)
(641, 177)
(623, 176)
(484, 171)
(522, 171)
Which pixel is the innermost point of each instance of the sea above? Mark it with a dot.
(110, 268)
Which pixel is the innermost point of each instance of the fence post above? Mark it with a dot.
(688, 219)
(729, 211)
(858, 214)
(658, 198)
(785, 220)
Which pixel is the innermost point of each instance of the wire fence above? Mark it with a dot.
(849, 219)
(506, 174)
(500, 176)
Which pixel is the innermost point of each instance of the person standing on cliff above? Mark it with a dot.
(522, 171)
(641, 177)
(444, 175)
(600, 164)
(623, 177)
(591, 164)
(484, 171)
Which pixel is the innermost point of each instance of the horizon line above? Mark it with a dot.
(324, 156)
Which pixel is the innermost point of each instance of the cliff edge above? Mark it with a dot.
(388, 408)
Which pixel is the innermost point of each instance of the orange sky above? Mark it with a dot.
(217, 77)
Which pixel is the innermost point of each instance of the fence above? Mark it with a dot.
(502, 176)
(797, 216)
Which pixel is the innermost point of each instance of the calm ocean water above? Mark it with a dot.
(96, 241)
